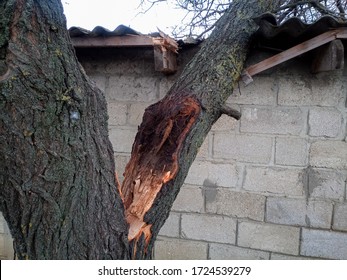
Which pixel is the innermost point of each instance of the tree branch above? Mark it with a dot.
(231, 112)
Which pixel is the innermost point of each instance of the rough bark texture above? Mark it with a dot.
(207, 81)
(58, 192)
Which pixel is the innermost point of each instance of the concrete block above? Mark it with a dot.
(324, 244)
(189, 199)
(132, 88)
(280, 257)
(2, 223)
(100, 80)
(326, 184)
(122, 139)
(299, 212)
(175, 249)
(204, 150)
(129, 61)
(268, 237)
(220, 174)
(230, 252)
(225, 123)
(243, 148)
(325, 122)
(208, 228)
(291, 151)
(329, 154)
(121, 162)
(171, 227)
(136, 112)
(117, 113)
(274, 120)
(2, 247)
(340, 217)
(246, 94)
(165, 84)
(319, 214)
(3, 226)
(6, 246)
(325, 90)
(237, 204)
(288, 182)
(286, 211)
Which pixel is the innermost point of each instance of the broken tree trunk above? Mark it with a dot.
(173, 129)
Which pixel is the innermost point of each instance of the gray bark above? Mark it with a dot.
(58, 192)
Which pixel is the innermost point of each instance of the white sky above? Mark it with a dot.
(111, 13)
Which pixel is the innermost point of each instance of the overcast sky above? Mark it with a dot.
(111, 13)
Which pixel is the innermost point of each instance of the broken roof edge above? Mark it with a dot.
(124, 36)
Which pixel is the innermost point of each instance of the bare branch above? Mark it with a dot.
(201, 15)
(231, 112)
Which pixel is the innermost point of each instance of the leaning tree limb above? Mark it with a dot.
(173, 129)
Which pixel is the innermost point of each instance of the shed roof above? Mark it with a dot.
(291, 32)
(270, 33)
(165, 48)
(293, 37)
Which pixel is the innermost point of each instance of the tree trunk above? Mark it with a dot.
(58, 191)
(173, 129)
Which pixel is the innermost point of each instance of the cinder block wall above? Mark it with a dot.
(271, 186)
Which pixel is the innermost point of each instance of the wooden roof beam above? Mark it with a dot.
(115, 41)
(165, 48)
(339, 33)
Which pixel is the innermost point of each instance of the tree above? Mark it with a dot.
(201, 15)
(59, 194)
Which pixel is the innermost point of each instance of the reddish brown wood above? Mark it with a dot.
(164, 60)
(154, 157)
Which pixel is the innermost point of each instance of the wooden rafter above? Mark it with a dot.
(339, 33)
(115, 41)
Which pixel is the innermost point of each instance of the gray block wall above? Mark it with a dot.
(270, 186)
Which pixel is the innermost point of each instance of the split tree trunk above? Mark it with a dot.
(58, 192)
(173, 129)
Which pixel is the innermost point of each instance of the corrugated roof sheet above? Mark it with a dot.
(100, 31)
(270, 34)
(121, 30)
(291, 32)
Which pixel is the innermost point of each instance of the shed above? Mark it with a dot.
(270, 186)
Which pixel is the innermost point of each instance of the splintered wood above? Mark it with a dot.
(154, 157)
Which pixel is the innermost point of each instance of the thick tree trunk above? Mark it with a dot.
(58, 191)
